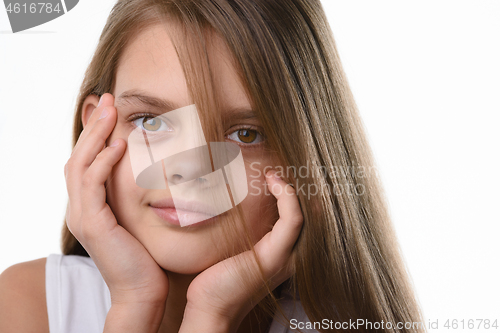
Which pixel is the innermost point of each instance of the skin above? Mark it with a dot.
(171, 277)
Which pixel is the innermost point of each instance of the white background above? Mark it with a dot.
(425, 75)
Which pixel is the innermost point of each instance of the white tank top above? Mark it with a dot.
(78, 299)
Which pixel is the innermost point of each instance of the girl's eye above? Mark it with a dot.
(247, 136)
(151, 124)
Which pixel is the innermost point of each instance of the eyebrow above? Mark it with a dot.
(241, 113)
(138, 98)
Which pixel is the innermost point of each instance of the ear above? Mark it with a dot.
(89, 105)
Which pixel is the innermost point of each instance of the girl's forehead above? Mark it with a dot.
(150, 63)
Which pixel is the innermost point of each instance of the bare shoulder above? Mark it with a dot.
(23, 306)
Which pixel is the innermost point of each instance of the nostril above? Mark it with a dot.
(176, 178)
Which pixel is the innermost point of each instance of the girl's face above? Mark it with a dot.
(150, 67)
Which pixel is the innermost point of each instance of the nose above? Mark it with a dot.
(192, 164)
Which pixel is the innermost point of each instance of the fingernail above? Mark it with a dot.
(100, 102)
(114, 144)
(104, 113)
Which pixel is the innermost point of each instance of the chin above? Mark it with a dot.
(185, 261)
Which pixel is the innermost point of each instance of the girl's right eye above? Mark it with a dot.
(152, 124)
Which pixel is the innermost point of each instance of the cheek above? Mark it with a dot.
(262, 215)
(256, 179)
(259, 206)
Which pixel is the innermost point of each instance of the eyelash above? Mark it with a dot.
(251, 128)
(136, 116)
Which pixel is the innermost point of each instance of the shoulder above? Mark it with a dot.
(23, 305)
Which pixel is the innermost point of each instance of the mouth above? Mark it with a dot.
(182, 213)
(181, 218)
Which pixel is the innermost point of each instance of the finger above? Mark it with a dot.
(105, 101)
(77, 164)
(93, 192)
(287, 229)
(89, 148)
(96, 137)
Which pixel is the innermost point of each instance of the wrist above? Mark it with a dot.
(136, 297)
(143, 317)
(200, 320)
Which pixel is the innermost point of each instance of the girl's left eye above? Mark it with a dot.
(152, 124)
(246, 136)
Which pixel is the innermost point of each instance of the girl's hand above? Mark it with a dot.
(217, 300)
(132, 275)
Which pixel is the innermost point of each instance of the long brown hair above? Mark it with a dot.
(348, 264)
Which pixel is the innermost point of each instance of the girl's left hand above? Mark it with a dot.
(217, 300)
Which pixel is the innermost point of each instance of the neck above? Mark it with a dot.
(176, 302)
(256, 321)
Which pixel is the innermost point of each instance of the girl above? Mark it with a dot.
(315, 256)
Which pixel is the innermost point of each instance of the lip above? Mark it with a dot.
(190, 212)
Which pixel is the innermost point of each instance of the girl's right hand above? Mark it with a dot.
(132, 275)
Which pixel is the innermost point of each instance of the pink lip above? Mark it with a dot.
(191, 212)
